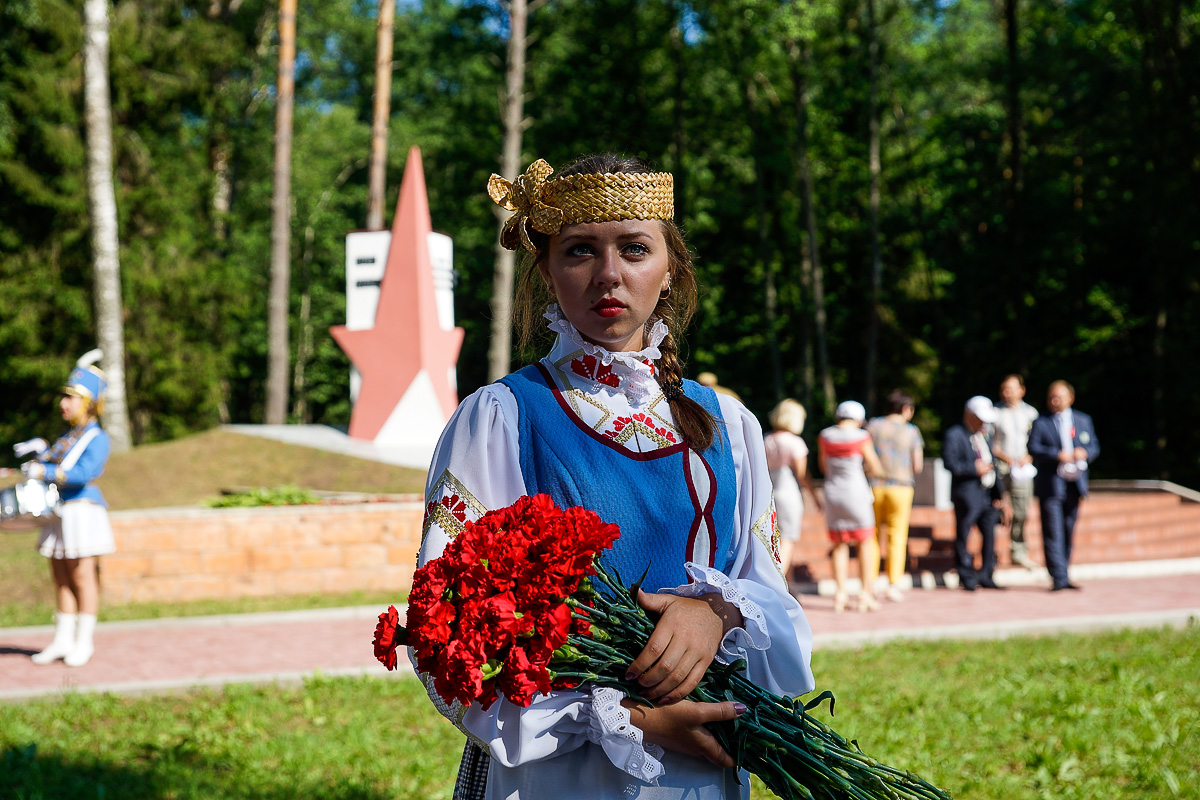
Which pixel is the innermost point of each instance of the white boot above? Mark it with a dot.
(82, 652)
(64, 640)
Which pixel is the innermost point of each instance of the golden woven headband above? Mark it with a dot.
(547, 205)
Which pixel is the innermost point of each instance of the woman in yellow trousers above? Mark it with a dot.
(901, 452)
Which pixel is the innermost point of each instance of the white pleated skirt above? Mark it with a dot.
(81, 529)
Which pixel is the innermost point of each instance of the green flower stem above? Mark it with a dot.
(796, 755)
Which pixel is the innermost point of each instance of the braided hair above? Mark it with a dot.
(699, 428)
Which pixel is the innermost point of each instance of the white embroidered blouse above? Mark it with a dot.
(583, 741)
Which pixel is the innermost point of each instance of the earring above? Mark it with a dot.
(665, 293)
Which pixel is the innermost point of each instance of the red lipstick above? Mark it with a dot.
(609, 307)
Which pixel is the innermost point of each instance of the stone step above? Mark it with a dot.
(1113, 527)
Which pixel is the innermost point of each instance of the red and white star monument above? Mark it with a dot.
(407, 360)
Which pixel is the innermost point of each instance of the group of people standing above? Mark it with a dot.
(870, 471)
(999, 458)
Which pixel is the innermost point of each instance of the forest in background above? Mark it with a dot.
(1036, 194)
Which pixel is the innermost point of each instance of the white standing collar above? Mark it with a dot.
(599, 369)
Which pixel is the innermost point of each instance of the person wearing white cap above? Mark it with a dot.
(844, 451)
(974, 490)
(80, 530)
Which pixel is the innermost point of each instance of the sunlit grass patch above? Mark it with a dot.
(1112, 716)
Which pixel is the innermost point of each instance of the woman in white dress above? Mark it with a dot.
(845, 450)
(606, 421)
(80, 532)
(787, 459)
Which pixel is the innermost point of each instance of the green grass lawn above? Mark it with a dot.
(1110, 716)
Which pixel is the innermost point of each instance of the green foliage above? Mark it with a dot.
(1111, 715)
(279, 496)
(1089, 272)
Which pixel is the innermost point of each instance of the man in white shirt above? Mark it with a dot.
(1014, 420)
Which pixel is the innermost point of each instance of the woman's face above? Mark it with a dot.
(607, 278)
(73, 408)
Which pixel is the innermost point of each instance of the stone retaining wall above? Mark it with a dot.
(181, 554)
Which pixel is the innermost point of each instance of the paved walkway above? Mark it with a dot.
(162, 655)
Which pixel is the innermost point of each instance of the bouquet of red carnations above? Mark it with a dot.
(512, 605)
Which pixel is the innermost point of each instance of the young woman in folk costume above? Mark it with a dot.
(81, 532)
(606, 421)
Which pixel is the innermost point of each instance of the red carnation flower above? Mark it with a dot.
(521, 678)
(496, 596)
(388, 636)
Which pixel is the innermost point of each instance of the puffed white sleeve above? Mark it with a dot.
(476, 468)
(776, 640)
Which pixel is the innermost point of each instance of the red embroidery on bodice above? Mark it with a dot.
(619, 424)
(591, 368)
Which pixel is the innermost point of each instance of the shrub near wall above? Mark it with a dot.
(181, 554)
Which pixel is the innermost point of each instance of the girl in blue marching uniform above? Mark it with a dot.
(80, 533)
(606, 420)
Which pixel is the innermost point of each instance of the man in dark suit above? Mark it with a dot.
(974, 490)
(1062, 443)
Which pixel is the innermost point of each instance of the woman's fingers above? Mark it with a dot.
(671, 669)
(680, 727)
(685, 687)
(687, 636)
(649, 657)
(716, 712)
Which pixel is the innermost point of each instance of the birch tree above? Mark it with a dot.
(102, 205)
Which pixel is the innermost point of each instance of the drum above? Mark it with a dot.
(28, 505)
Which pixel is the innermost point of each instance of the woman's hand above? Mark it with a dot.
(680, 727)
(685, 640)
(34, 470)
(31, 447)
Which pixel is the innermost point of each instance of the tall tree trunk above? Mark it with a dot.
(808, 369)
(379, 126)
(500, 349)
(874, 167)
(281, 228)
(220, 155)
(102, 203)
(679, 132)
(801, 68)
(1016, 182)
(770, 295)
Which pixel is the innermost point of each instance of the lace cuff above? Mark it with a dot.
(753, 634)
(622, 740)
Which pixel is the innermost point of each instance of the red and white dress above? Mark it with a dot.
(849, 504)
